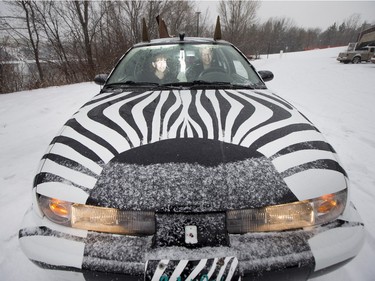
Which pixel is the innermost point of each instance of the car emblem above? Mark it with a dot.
(191, 234)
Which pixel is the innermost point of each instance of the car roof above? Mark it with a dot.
(186, 40)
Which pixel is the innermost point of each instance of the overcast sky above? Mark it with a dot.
(307, 14)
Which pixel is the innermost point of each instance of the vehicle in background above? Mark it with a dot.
(357, 56)
(360, 51)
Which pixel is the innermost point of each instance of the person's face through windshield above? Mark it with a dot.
(160, 64)
(206, 56)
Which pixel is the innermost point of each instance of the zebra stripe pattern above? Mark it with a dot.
(204, 269)
(112, 123)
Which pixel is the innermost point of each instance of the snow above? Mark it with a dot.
(337, 98)
(133, 186)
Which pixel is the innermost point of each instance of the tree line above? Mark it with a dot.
(64, 42)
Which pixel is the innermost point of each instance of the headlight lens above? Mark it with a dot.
(98, 218)
(288, 216)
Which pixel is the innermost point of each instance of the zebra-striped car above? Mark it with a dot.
(186, 167)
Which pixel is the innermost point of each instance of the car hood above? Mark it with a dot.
(188, 151)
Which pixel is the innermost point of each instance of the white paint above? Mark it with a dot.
(296, 118)
(197, 269)
(275, 146)
(235, 109)
(117, 141)
(336, 245)
(172, 132)
(215, 103)
(187, 122)
(300, 157)
(157, 119)
(260, 115)
(68, 152)
(139, 118)
(223, 268)
(57, 251)
(212, 269)
(206, 117)
(314, 183)
(62, 191)
(178, 270)
(64, 275)
(101, 151)
(69, 174)
(232, 269)
(113, 113)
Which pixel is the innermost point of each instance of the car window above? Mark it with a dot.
(240, 69)
(179, 63)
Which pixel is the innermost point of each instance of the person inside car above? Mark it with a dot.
(205, 63)
(160, 70)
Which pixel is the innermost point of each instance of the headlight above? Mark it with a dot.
(98, 218)
(288, 216)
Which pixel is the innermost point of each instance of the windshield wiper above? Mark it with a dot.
(213, 84)
(196, 83)
(203, 82)
(130, 83)
(224, 84)
(193, 84)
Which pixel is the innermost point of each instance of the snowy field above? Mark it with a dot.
(337, 98)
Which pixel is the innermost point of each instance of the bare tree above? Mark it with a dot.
(33, 31)
(25, 30)
(155, 8)
(348, 30)
(82, 11)
(50, 16)
(10, 77)
(83, 19)
(180, 17)
(237, 17)
(133, 14)
(279, 34)
(110, 41)
(311, 38)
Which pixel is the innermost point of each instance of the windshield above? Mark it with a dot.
(185, 63)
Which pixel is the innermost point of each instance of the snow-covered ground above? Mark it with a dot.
(337, 98)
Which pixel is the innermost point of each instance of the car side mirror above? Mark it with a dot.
(100, 79)
(266, 75)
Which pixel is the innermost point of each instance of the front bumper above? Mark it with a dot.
(343, 59)
(291, 255)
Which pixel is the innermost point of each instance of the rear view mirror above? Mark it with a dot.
(266, 75)
(100, 79)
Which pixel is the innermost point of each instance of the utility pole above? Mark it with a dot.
(197, 13)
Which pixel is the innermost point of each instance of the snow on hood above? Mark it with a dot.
(191, 187)
(196, 150)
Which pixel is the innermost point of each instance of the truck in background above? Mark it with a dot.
(362, 50)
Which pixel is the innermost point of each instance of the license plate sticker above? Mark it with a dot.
(218, 269)
(191, 234)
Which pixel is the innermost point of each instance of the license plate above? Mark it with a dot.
(218, 269)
